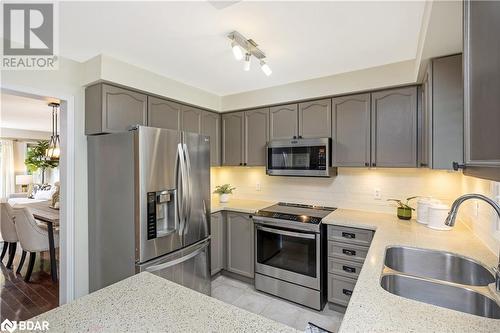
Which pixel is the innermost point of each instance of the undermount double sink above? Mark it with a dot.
(439, 278)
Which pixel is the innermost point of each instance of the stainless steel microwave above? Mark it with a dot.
(299, 157)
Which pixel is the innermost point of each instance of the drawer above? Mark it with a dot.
(350, 235)
(344, 267)
(340, 289)
(347, 251)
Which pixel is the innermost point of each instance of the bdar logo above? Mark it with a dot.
(8, 325)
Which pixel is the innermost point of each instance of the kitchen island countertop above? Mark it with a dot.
(148, 303)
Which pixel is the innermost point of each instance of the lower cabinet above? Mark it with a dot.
(232, 243)
(217, 242)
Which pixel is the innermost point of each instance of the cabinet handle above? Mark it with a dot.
(245, 163)
(347, 292)
(349, 269)
(295, 137)
(300, 136)
(241, 163)
(367, 164)
(348, 235)
(423, 164)
(349, 252)
(374, 164)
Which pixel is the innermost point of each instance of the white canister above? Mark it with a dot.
(437, 217)
(223, 197)
(423, 205)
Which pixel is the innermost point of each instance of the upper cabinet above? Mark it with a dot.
(482, 89)
(232, 138)
(394, 128)
(109, 109)
(283, 122)
(351, 131)
(315, 119)
(441, 118)
(244, 138)
(210, 126)
(256, 136)
(191, 119)
(163, 113)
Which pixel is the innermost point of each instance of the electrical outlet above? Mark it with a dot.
(377, 194)
(257, 187)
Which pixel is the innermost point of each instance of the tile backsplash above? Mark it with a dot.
(355, 188)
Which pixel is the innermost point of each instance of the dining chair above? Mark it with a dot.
(9, 235)
(32, 236)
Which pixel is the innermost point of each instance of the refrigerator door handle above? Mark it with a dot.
(188, 188)
(178, 260)
(180, 176)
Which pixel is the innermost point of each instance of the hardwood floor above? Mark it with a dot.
(21, 300)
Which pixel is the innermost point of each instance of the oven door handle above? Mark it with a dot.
(286, 233)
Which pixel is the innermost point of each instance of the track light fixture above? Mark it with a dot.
(242, 46)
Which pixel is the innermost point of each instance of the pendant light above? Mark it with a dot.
(54, 150)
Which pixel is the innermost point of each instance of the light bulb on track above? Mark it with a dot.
(237, 52)
(246, 66)
(265, 68)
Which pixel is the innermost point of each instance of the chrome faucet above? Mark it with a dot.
(452, 215)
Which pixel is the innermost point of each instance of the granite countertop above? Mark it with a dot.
(239, 205)
(372, 309)
(147, 303)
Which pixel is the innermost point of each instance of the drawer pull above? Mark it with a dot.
(349, 269)
(348, 235)
(349, 252)
(347, 292)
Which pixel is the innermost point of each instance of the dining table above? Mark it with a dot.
(44, 213)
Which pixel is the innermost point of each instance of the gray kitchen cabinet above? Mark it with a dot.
(191, 119)
(482, 89)
(441, 130)
(210, 126)
(240, 244)
(256, 136)
(394, 128)
(217, 251)
(351, 131)
(163, 113)
(283, 122)
(232, 138)
(315, 119)
(109, 109)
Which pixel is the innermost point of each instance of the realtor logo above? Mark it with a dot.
(27, 325)
(29, 36)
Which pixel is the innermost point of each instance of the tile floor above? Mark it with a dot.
(245, 296)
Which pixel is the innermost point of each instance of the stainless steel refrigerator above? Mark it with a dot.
(149, 206)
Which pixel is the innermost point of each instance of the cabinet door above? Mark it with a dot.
(191, 119)
(394, 128)
(210, 125)
(232, 138)
(122, 108)
(315, 119)
(216, 243)
(351, 131)
(447, 112)
(256, 136)
(164, 114)
(240, 254)
(283, 122)
(482, 88)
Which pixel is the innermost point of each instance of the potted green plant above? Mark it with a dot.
(224, 191)
(36, 159)
(403, 210)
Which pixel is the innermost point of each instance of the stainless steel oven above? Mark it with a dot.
(288, 255)
(299, 157)
(290, 246)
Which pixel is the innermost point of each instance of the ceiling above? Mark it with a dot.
(186, 41)
(25, 113)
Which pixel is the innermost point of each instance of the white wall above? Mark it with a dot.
(106, 68)
(400, 73)
(353, 188)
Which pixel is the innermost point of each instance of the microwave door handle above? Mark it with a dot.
(284, 159)
(189, 198)
(286, 233)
